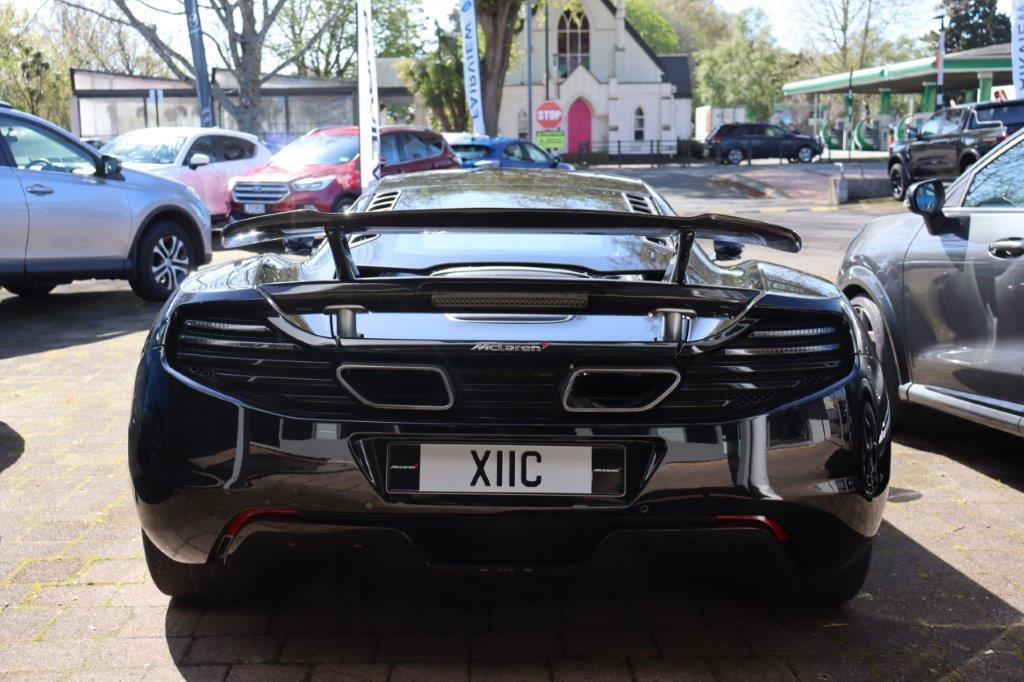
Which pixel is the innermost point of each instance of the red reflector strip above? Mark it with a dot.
(242, 518)
(752, 520)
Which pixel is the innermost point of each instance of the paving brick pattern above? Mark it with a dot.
(944, 599)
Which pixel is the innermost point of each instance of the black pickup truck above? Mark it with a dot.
(950, 141)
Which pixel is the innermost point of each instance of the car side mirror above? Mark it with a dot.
(726, 251)
(197, 160)
(926, 199)
(557, 159)
(109, 165)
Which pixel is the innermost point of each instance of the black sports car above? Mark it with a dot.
(504, 371)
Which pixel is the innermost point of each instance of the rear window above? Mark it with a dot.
(1009, 114)
(471, 152)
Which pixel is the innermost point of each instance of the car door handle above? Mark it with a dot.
(39, 190)
(1007, 248)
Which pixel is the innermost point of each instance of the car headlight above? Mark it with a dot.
(312, 184)
(231, 183)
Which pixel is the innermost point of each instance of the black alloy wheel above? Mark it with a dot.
(898, 182)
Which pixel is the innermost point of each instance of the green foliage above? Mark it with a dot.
(436, 78)
(28, 80)
(698, 24)
(972, 24)
(745, 69)
(652, 26)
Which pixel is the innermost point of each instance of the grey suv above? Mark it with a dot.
(941, 292)
(70, 213)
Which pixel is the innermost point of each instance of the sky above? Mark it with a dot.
(784, 17)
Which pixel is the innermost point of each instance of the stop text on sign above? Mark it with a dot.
(549, 114)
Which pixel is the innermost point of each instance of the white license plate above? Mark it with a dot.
(505, 469)
(254, 209)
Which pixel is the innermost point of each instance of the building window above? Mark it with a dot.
(573, 42)
(638, 124)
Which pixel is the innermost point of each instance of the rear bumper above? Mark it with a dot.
(199, 462)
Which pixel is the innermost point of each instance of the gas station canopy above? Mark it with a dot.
(962, 71)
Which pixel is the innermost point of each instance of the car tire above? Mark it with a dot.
(735, 156)
(30, 289)
(166, 255)
(966, 163)
(834, 587)
(874, 324)
(209, 582)
(805, 154)
(898, 182)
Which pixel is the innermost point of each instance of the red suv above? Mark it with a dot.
(320, 169)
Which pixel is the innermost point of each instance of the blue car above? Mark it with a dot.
(502, 152)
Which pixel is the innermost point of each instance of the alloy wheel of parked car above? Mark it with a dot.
(898, 181)
(805, 154)
(165, 259)
(734, 156)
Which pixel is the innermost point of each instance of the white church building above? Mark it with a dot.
(616, 93)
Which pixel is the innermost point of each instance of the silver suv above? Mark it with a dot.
(69, 213)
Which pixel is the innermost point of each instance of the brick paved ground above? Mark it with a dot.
(945, 596)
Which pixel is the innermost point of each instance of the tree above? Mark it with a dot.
(239, 32)
(436, 78)
(28, 80)
(972, 23)
(333, 54)
(746, 69)
(500, 21)
(82, 39)
(699, 24)
(652, 26)
(849, 34)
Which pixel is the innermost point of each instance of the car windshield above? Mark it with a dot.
(319, 149)
(1010, 115)
(161, 149)
(471, 152)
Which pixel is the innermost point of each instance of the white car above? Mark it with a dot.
(204, 159)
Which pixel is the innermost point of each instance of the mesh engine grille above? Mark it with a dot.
(778, 360)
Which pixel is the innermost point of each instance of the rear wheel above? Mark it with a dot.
(30, 289)
(198, 582)
(870, 317)
(834, 587)
(898, 182)
(734, 156)
(165, 257)
(805, 154)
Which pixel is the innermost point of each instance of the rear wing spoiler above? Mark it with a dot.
(339, 226)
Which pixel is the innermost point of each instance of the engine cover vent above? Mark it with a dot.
(384, 201)
(639, 202)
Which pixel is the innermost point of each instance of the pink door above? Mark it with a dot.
(579, 125)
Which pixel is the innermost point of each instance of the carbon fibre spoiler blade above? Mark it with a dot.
(338, 226)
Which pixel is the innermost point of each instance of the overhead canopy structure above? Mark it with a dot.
(980, 68)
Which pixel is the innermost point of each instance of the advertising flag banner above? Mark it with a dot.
(1017, 26)
(369, 111)
(471, 65)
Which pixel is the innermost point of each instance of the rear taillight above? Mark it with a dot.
(714, 139)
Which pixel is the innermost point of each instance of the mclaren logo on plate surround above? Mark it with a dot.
(512, 347)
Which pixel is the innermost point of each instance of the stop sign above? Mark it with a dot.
(549, 114)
